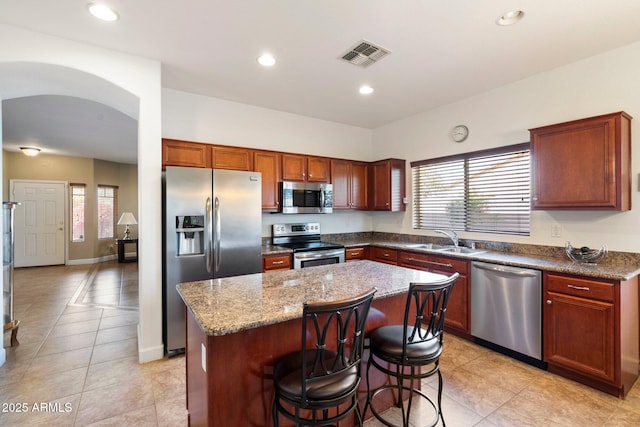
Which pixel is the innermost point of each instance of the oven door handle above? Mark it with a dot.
(318, 254)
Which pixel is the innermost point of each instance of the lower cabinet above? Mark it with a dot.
(457, 317)
(591, 330)
(276, 262)
(356, 253)
(381, 254)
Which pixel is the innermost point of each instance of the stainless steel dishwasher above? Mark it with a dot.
(506, 307)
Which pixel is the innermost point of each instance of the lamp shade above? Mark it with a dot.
(127, 218)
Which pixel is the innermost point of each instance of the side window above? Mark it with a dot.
(107, 208)
(78, 200)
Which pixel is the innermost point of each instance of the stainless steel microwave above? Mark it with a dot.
(306, 197)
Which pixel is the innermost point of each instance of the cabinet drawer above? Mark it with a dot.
(355, 253)
(385, 255)
(451, 265)
(580, 287)
(415, 260)
(276, 262)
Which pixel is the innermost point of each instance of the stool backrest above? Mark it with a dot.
(333, 338)
(425, 311)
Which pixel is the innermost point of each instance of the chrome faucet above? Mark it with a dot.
(452, 235)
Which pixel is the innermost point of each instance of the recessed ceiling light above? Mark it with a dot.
(267, 60)
(102, 11)
(510, 18)
(365, 90)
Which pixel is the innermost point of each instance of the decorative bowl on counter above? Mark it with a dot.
(584, 254)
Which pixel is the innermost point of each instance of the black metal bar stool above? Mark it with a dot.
(401, 351)
(326, 373)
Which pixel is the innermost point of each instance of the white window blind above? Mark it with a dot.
(107, 208)
(487, 191)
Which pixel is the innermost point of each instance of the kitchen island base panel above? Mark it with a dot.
(236, 388)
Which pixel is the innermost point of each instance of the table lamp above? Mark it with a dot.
(127, 219)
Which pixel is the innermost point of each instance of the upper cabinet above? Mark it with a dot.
(387, 185)
(268, 163)
(583, 164)
(296, 167)
(231, 158)
(184, 153)
(356, 185)
(349, 181)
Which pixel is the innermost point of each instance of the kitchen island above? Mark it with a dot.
(238, 327)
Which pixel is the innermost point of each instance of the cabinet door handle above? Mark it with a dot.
(579, 288)
(549, 302)
(277, 262)
(385, 254)
(441, 264)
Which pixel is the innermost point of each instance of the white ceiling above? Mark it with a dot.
(442, 51)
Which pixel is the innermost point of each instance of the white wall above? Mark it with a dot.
(204, 119)
(598, 85)
(138, 77)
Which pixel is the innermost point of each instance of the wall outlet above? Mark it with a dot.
(556, 231)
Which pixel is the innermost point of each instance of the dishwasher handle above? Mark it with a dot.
(502, 269)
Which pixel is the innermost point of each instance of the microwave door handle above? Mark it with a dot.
(208, 234)
(321, 199)
(218, 229)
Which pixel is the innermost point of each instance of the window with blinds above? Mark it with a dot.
(487, 191)
(107, 208)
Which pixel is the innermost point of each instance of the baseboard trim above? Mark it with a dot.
(151, 353)
(91, 260)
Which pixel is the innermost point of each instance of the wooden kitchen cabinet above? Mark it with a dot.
(349, 180)
(458, 307)
(276, 262)
(591, 330)
(583, 164)
(234, 158)
(296, 167)
(387, 185)
(356, 253)
(268, 164)
(185, 153)
(386, 255)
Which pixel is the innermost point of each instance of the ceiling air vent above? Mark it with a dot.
(364, 54)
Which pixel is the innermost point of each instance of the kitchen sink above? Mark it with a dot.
(431, 246)
(462, 250)
(445, 248)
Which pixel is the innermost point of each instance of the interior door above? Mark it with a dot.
(39, 222)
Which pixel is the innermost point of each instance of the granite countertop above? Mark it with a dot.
(232, 304)
(614, 266)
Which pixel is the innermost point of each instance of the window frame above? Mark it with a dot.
(466, 216)
(72, 211)
(114, 214)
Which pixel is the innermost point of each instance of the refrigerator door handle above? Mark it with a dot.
(209, 237)
(216, 251)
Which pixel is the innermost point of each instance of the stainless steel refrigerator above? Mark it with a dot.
(212, 229)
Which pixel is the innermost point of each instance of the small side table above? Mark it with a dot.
(121, 244)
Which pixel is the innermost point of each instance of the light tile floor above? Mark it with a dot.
(77, 365)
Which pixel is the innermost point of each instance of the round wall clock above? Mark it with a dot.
(459, 133)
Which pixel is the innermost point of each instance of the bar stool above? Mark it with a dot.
(326, 375)
(410, 346)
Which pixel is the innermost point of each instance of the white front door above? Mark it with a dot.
(39, 222)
